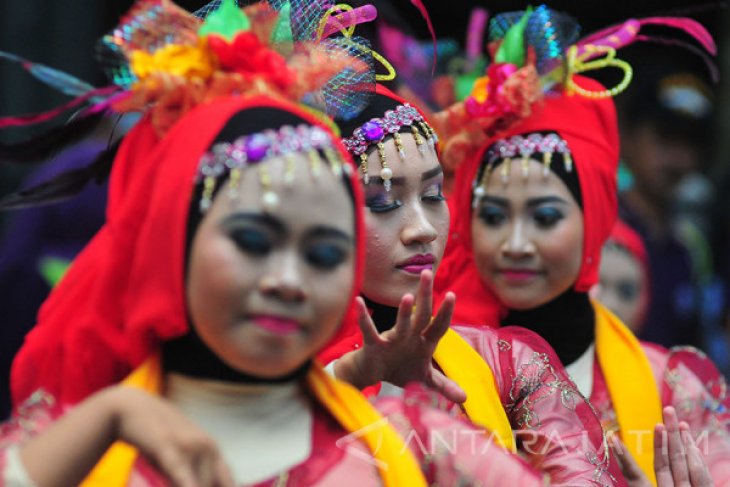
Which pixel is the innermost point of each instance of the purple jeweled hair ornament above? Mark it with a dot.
(374, 132)
(250, 150)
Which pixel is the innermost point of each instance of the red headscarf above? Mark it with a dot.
(125, 293)
(590, 128)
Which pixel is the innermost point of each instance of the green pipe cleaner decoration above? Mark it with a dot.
(512, 49)
(226, 21)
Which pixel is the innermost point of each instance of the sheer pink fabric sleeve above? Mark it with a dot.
(31, 418)
(692, 384)
(451, 450)
(557, 428)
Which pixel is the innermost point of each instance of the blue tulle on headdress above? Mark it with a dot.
(548, 32)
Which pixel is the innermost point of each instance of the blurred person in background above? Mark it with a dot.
(665, 140)
(624, 277)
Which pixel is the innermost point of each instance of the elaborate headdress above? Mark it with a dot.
(164, 61)
(536, 55)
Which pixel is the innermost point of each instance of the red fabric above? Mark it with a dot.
(125, 293)
(590, 128)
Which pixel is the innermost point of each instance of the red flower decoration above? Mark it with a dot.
(249, 57)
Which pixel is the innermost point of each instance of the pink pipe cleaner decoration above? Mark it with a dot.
(360, 15)
(624, 34)
(20, 120)
(690, 26)
(424, 13)
(475, 33)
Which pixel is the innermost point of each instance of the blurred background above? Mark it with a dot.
(675, 174)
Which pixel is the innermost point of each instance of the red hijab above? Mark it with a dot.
(590, 128)
(125, 293)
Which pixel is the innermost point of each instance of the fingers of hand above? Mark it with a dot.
(441, 321)
(447, 387)
(662, 466)
(224, 478)
(677, 453)
(188, 459)
(403, 319)
(365, 322)
(699, 474)
(424, 302)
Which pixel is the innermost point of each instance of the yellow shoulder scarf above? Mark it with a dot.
(627, 371)
(397, 466)
(631, 385)
(462, 364)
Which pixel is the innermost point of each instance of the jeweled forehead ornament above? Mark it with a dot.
(374, 132)
(249, 151)
(523, 147)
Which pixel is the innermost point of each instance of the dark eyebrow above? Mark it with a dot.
(532, 202)
(273, 223)
(432, 173)
(495, 200)
(545, 199)
(329, 232)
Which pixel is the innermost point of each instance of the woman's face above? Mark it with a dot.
(527, 237)
(623, 288)
(267, 290)
(406, 228)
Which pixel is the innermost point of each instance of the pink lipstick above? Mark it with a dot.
(276, 324)
(518, 276)
(417, 264)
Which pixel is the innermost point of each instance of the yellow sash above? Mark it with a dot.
(462, 364)
(631, 385)
(396, 465)
(355, 414)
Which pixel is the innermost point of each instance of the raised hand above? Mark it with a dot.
(403, 353)
(677, 459)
